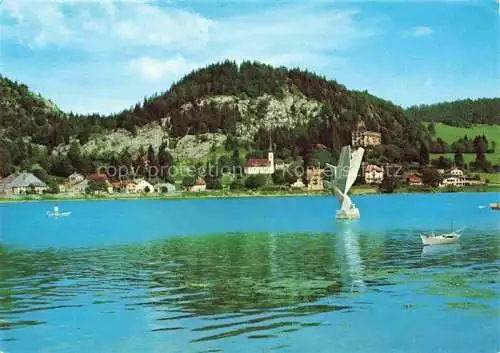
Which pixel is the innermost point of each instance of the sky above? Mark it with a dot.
(106, 55)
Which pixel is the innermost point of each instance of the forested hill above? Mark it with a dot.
(242, 104)
(235, 99)
(24, 114)
(459, 113)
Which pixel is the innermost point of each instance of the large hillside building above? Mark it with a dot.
(362, 138)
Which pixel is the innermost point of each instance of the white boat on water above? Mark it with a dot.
(437, 239)
(57, 213)
(432, 239)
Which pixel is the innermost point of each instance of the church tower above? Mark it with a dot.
(270, 155)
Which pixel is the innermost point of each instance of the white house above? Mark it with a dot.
(457, 173)
(130, 187)
(453, 181)
(298, 184)
(76, 184)
(374, 174)
(165, 188)
(75, 178)
(456, 178)
(74, 188)
(142, 186)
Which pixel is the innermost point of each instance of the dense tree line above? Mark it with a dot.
(33, 127)
(459, 113)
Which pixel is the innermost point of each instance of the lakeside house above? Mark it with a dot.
(314, 179)
(76, 178)
(373, 174)
(457, 173)
(76, 184)
(415, 179)
(452, 181)
(78, 188)
(130, 187)
(298, 184)
(103, 178)
(165, 188)
(199, 185)
(3, 184)
(20, 184)
(457, 178)
(142, 186)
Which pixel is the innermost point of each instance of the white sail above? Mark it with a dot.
(344, 176)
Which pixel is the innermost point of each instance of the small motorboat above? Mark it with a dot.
(495, 206)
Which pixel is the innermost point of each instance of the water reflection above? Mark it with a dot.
(349, 236)
(256, 285)
(440, 250)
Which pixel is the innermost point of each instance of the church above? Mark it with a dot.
(260, 165)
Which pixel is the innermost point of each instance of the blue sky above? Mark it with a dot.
(104, 55)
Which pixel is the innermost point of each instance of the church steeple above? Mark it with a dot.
(270, 155)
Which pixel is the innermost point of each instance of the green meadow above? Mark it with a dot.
(450, 134)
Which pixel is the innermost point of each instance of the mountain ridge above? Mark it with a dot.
(233, 106)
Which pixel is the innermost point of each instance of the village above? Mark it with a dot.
(312, 180)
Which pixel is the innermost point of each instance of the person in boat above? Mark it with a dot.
(56, 209)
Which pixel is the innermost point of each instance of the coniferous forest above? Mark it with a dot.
(32, 127)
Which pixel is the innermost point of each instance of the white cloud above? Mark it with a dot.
(419, 31)
(102, 25)
(155, 69)
(34, 26)
(123, 40)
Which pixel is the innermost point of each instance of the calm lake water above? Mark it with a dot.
(250, 275)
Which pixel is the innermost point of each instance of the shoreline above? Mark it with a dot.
(360, 191)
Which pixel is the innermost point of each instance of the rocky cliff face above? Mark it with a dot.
(263, 112)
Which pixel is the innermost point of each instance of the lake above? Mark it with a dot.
(250, 275)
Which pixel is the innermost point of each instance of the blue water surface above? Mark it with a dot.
(250, 275)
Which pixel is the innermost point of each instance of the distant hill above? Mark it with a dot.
(459, 113)
(238, 106)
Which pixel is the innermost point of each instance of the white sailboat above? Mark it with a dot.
(345, 174)
(445, 238)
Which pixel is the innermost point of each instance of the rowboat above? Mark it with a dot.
(495, 206)
(57, 213)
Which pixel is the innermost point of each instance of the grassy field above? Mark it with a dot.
(493, 177)
(450, 134)
(468, 157)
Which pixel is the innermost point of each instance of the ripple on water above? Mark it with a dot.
(257, 286)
